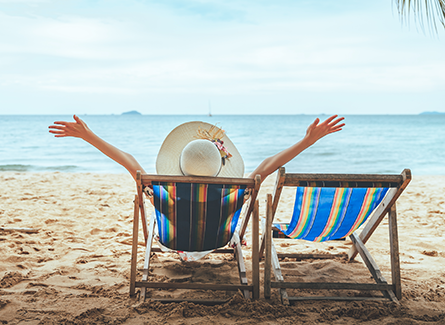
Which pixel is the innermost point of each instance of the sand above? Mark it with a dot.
(75, 269)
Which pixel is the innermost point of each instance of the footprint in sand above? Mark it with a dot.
(124, 234)
(11, 279)
(95, 231)
(3, 303)
(430, 253)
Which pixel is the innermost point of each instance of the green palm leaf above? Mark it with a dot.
(430, 11)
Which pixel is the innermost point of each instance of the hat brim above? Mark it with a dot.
(168, 160)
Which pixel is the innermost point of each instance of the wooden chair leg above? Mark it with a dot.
(241, 268)
(255, 253)
(262, 240)
(271, 260)
(394, 244)
(277, 274)
(371, 265)
(268, 240)
(134, 247)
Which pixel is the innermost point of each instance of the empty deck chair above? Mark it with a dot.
(330, 207)
(197, 214)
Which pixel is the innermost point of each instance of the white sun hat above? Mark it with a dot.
(199, 149)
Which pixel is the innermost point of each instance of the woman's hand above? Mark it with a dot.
(316, 131)
(77, 129)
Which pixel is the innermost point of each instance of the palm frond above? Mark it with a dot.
(429, 11)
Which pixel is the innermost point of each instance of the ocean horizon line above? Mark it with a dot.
(212, 115)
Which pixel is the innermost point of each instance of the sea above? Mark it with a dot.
(367, 144)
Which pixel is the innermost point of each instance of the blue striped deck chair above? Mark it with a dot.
(332, 207)
(196, 214)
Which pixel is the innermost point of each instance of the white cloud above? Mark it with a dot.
(68, 37)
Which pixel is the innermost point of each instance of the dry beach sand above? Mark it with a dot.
(75, 270)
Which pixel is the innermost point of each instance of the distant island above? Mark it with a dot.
(431, 113)
(131, 113)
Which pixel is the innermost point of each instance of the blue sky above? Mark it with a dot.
(244, 57)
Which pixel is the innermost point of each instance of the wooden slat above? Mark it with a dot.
(255, 252)
(332, 285)
(275, 263)
(292, 299)
(216, 251)
(277, 273)
(262, 239)
(223, 251)
(151, 231)
(268, 239)
(205, 302)
(370, 263)
(241, 269)
(367, 258)
(147, 180)
(134, 246)
(194, 286)
(394, 246)
(141, 205)
(295, 179)
(311, 256)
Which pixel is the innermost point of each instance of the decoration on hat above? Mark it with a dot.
(215, 134)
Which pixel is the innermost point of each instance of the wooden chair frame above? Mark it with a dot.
(145, 180)
(396, 183)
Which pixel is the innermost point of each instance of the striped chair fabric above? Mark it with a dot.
(324, 213)
(196, 217)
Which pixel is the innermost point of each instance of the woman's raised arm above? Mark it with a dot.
(314, 132)
(79, 129)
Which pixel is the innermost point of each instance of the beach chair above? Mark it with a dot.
(332, 207)
(196, 214)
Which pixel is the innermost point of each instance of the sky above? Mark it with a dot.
(223, 56)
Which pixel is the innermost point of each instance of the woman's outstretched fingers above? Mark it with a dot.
(61, 122)
(329, 119)
(336, 128)
(333, 125)
(58, 131)
(336, 121)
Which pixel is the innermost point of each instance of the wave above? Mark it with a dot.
(325, 154)
(35, 168)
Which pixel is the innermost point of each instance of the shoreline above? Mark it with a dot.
(76, 268)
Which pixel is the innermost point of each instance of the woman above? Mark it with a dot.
(199, 149)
